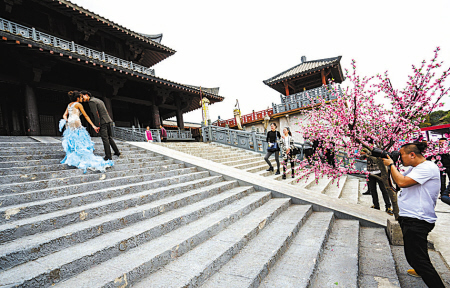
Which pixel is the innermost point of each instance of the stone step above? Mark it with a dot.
(48, 150)
(43, 164)
(16, 139)
(60, 156)
(16, 197)
(66, 173)
(376, 263)
(10, 164)
(319, 185)
(334, 190)
(141, 260)
(296, 267)
(84, 178)
(241, 161)
(226, 156)
(402, 266)
(241, 246)
(256, 162)
(28, 226)
(338, 266)
(157, 203)
(212, 154)
(93, 198)
(258, 257)
(231, 158)
(350, 191)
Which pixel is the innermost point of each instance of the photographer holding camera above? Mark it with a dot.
(420, 189)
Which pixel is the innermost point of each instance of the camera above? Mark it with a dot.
(377, 152)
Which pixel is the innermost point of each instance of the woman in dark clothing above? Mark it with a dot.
(272, 137)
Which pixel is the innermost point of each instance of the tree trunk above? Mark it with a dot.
(385, 178)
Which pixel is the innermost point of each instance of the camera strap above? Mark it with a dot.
(394, 188)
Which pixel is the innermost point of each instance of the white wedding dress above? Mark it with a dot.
(78, 145)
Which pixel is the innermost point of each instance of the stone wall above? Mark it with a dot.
(281, 123)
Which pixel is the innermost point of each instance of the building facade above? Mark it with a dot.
(48, 48)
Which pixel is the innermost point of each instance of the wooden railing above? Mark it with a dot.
(32, 33)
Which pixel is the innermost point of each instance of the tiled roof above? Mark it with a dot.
(303, 68)
(214, 91)
(69, 6)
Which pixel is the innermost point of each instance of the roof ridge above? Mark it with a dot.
(298, 65)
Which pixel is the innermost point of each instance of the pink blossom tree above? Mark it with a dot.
(354, 120)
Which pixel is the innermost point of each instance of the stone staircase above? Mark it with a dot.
(153, 221)
(348, 188)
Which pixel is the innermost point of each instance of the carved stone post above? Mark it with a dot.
(32, 112)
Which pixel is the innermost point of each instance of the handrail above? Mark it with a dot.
(172, 134)
(304, 99)
(256, 142)
(138, 134)
(38, 36)
(130, 134)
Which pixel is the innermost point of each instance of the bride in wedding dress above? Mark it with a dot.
(76, 141)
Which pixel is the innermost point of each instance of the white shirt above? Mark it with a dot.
(287, 142)
(418, 201)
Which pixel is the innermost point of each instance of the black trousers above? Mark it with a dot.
(290, 158)
(444, 179)
(277, 158)
(105, 134)
(372, 187)
(415, 233)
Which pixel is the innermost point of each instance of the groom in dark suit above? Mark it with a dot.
(101, 119)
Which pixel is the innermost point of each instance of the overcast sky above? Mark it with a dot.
(235, 45)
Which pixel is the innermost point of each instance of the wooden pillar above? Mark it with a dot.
(180, 121)
(156, 118)
(108, 106)
(5, 116)
(286, 87)
(324, 82)
(31, 110)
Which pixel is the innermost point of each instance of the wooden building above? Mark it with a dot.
(49, 47)
(307, 75)
(299, 86)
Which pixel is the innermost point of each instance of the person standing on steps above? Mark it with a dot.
(102, 119)
(287, 146)
(420, 189)
(148, 135)
(375, 171)
(163, 134)
(272, 138)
